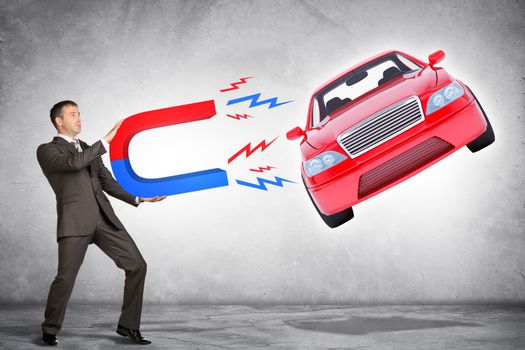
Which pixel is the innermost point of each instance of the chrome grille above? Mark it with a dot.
(381, 127)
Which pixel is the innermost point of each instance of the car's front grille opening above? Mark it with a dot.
(402, 165)
(381, 127)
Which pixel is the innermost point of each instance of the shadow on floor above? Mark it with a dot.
(32, 334)
(366, 325)
(113, 325)
(161, 326)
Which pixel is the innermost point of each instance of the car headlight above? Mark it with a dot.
(322, 162)
(444, 96)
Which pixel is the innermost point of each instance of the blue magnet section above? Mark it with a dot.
(166, 186)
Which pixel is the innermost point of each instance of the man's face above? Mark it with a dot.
(69, 124)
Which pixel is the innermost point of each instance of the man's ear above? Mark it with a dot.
(58, 121)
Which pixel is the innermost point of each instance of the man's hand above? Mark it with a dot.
(152, 199)
(109, 136)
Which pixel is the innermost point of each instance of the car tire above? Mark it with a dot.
(485, 139)
(336, 219)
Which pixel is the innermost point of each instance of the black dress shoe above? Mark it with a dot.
(133, 334)
(49, 339)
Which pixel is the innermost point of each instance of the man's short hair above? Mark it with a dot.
(56, 110)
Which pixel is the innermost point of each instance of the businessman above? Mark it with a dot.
(79, 179)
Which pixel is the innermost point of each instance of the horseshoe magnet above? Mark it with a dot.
(164, 186)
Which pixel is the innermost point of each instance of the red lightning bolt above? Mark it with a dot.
(249, 151)
(234, 85)
(263, 168)
(239, 116)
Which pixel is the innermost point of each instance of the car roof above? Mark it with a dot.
(362, 63)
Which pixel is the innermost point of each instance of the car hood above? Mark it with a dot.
(411, 84)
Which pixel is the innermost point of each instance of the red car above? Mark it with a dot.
(381, 122)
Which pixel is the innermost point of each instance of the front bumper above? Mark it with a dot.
(344, 190)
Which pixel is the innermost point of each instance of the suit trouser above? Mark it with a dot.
(119, 246)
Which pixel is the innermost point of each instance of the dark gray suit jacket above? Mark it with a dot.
(79, 179)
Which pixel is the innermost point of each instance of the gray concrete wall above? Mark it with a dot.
(454, 233)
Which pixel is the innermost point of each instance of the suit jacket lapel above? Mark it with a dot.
(59, 141)
(64, 144)
(83, 144)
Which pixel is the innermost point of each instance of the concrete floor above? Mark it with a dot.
(278, 327)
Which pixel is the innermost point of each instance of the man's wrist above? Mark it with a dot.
(105, 143)
(138, 200)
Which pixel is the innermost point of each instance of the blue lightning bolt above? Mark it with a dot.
(255, 101)
(261, 186)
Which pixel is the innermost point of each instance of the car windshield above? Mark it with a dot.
(358, 83)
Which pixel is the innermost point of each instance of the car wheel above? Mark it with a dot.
(484, 139)
(332, 220)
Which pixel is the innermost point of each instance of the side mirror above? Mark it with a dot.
(295, 133)
(435, 58)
